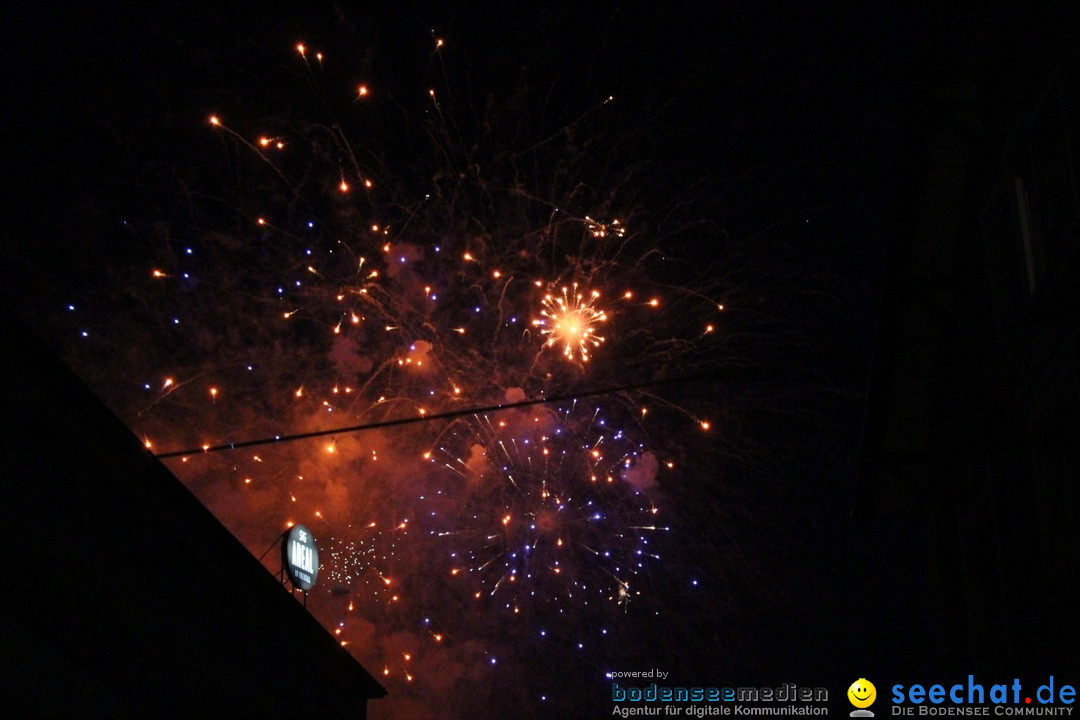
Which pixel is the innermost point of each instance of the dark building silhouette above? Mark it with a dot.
(970, 461)
(124, 596)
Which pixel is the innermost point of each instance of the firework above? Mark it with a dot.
(384, 297)
(571, 320)
(546, 516)
(346, 285)
(359, 557)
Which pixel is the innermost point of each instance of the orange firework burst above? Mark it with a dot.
(570, 320)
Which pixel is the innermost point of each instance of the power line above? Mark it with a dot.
(278, 439)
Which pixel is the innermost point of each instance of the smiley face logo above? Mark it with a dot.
(862, 693)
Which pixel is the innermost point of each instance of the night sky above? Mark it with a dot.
(210, 289)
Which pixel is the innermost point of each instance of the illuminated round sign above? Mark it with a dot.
(300, 557)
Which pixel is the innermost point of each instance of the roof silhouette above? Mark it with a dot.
(124, 595)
